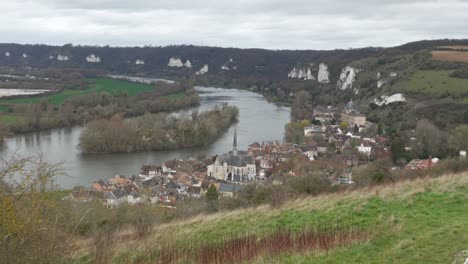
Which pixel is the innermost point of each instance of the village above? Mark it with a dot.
(345, 146)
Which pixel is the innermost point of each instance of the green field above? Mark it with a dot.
(436, 83)
(97, 85)
(8, 119)
(422, 221)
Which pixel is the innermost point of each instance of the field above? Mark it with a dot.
(446, 55)
(455, 47)
(420, 221)
(435, 83)
(97, 85)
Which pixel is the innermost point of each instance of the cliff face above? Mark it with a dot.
(182, 61)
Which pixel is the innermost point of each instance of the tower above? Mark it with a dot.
(234, 143)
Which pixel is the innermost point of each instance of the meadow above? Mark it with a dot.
(418, 221)
(96, 85)
(434, 83)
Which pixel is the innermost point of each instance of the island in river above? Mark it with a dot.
(259, 120)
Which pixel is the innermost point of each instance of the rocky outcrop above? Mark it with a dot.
(301, 73)
(347, 78)
(323, 74)
(62, 57)
(25, 55)
(202, 70)
(93, 59)
(385, 100)
(139, 62)
(381, 83)
(7, 54)
(229, 65)
(175, 62)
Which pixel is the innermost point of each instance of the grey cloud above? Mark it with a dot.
(294, 24)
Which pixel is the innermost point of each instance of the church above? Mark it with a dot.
(236, 166)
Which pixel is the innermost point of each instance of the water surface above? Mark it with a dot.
(258, 121)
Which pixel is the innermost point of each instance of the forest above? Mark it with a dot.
(153, 132)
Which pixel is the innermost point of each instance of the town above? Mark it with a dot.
(341, 140)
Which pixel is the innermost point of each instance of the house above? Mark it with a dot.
(419, 164)
(365, 148)
(118, 181)
(352, 116)
(323, 114)
(322, 147)
(150, 171)
(114, 198)
(310, 151)
(100, 185)
(229, 190)
(462, 154)
(194, 191)
(310, 131)
(82, 195)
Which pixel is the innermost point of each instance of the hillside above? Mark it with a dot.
(429, 75)
(419, 221)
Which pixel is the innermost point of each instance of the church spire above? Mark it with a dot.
(234, 143)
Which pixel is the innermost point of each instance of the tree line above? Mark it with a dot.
(153, 132)
(84, 108)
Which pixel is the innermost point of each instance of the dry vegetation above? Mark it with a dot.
(446, 55)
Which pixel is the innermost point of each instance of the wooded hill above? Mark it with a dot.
(266, 72)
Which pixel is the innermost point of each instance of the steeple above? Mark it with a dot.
(234, 143)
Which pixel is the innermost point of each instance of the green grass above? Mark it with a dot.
(176, 96)
(423, 221)
(8, 119)
(4, 108)
(434, 82)
(97, 85)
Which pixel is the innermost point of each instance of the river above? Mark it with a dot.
(259, 120)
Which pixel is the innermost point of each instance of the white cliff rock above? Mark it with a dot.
(381, 83)
(175, 62)
(93, 59)
(62, 57)
(347, 78)
(229, 65)
(202, 70)
(188, 64)
(7, 54)
(51, 57)
(323, 74)
(385, 100)
(139, 62)
(301, 73)
(25, 55)
(393, 74)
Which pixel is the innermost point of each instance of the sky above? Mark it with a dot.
(270, 24)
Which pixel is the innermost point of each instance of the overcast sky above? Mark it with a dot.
(272, 24)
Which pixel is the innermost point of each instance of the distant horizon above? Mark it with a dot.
(223, 47)
(261, 24)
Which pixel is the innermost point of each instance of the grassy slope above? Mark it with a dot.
(97, 85)
(435, 82)
(423, 221)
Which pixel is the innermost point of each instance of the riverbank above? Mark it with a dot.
(258, 121)
(102, 99)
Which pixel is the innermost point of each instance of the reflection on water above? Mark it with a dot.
(258, 121)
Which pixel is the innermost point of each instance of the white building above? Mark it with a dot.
(235, 166)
